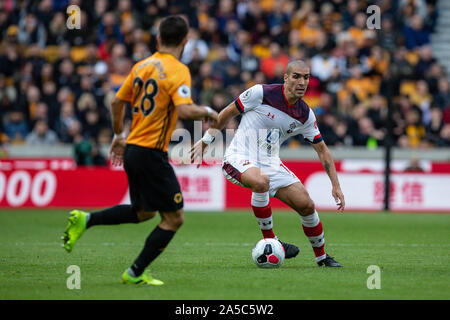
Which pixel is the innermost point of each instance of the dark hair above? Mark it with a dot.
(172, 30)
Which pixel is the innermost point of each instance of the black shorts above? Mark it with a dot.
(151, 179)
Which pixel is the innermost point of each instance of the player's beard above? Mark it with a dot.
(300, 95)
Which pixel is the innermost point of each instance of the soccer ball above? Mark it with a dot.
(268, 253)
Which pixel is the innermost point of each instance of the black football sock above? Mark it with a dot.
(123, 213)
(155, 243)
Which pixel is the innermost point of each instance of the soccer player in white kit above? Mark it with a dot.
(270, 115)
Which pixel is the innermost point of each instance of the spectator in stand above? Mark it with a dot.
(414, 166)
(423, 99)
(57, 29)
(65, 122)
(278, 18)
(239, 39)
(444, 138)
(425, 62)
(3, 140)
(431, 16)
(356, 31)
(44, 66)
(377, 111)
(194, 43)
(41, 113)
(97, 158)
(368, 135)
(92, 126)
(82, 148)
(8, 94)
(11, 52)
(309, 32)
(432, 77)
(249, 62)
(378, 62)
(42, 135)
(442, 98)
(415, 130)
(276, 59)
(108, 28)
(323, 65)
(388, 38)
(433, 129)
(415, 34)
(401, 67)
(225, 13)
(220, 64)
(16, 127)
(31, 30)
(350, 12)
(66, 74)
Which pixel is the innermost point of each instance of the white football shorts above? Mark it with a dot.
(280, 176)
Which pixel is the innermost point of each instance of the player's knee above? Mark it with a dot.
(145, 215)
(178, 221)
(261, 184)
(308, 208)
(173, 220)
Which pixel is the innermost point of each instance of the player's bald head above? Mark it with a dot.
(296, 79)
(296, 64)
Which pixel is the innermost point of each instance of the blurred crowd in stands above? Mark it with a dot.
(56, 83)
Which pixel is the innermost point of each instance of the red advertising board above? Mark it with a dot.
(58, 183)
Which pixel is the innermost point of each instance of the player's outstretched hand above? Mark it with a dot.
(197, 152)
(116, 151)
(339, 198)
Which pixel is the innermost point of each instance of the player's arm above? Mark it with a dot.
(179, 88)
(194, 112)
(117, 115)
(328, 164)
(119, 141)
(118, 104)
(225, 115)
(247, 101)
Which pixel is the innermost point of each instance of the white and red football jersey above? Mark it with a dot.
(267, 121)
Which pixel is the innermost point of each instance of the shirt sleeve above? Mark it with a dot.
(249, 99)
(310, 130)
(126, 89)
(180, 91)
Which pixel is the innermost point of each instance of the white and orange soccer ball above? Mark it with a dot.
(268, 253)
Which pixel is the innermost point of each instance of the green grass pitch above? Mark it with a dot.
(210, 258)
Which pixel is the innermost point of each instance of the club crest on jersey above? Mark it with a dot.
(270, 115)
(178, 198)
(291, 127)
(246, 162)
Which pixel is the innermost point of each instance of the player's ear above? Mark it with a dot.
(158, 40)
(185, 40)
